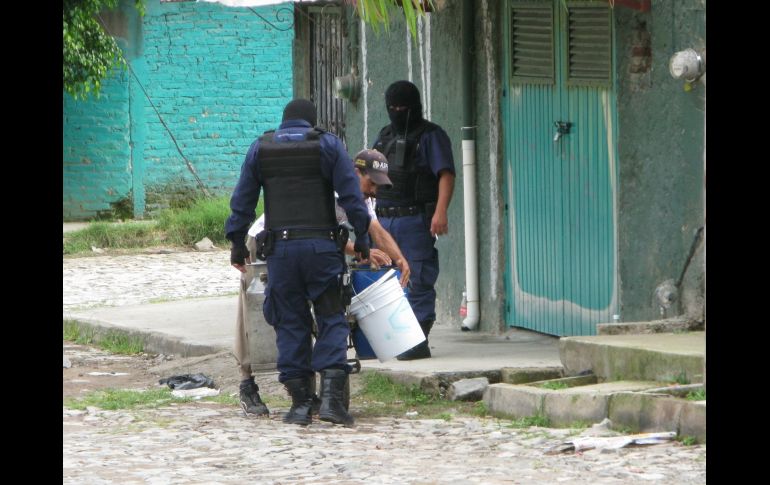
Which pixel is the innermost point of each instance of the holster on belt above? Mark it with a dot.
(264, 241)
(343, 234)
(346, 283)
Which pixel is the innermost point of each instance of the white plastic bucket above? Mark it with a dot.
(386, 318)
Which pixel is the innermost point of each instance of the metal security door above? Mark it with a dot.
(326, 44)
(559, 112)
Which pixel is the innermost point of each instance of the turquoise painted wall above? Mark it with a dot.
(218, 76)
(96, 151)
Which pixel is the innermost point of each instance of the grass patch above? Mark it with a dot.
(529, 421)
(121, 343)
(480, 409)
(223, 399)
(112, 399)
(699, 395)
(682, 379)
(380, 396)
(112, 341)
(74, 333)
(179, 226)
(579, 425)
(555, 386)
(123, 235)
(203, 218)
(687, 440)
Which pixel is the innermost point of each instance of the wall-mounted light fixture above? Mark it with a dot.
(347, 87)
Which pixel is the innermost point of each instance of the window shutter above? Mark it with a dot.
(589, 54)
(532, 42)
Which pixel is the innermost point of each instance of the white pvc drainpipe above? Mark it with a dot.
(471, 242)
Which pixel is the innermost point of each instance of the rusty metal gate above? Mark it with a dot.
(326, 48)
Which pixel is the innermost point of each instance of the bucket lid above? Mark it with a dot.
(377, 283)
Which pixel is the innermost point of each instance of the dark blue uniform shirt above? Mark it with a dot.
(434, 152)
(336, 166)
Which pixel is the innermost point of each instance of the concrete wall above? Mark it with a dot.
(660, 145)
(218, 76)
(433, 63)
(661, 151)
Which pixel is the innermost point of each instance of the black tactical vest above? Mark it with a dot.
(296, 194)
(411, 185)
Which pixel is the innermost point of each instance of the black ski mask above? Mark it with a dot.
(300, 109)
(403, 93)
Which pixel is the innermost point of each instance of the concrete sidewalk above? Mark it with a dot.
(202, 326)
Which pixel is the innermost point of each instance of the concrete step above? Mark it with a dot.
(637, 406)
(663, 357)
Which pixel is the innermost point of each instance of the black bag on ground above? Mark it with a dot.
(188, 381)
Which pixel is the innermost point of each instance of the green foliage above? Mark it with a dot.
(699, 395)
(555, 386)
(121, 343)
(74, 333)
(480, 409)
(112, 341)
(379, 387)
(205, 217)
(528, 421)
(376, 12)
(687, 440)
(112, 399)
(90, 53)
(112, 235)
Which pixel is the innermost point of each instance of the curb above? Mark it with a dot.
(639, 411)
(154, 342)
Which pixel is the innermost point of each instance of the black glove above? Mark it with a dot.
(362, 245)
(238, 251)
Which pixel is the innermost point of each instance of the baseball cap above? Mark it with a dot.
(375, 165)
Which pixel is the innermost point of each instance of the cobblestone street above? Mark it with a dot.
(213, 443)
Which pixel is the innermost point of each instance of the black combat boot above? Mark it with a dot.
(333, 383)
(250, 400)
(301, 401)
(421, 350)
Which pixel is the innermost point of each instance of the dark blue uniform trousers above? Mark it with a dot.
(301, 270)
(412, 234)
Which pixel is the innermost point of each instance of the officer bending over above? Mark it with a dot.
(300, 168)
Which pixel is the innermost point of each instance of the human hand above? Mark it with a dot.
(403, 266)
(378, 258)
(361, 247)
(239, 254)
(439, 224)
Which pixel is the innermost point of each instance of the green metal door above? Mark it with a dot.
(561, 263)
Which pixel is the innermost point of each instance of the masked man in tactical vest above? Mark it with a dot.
(300, 168)
(414, 210)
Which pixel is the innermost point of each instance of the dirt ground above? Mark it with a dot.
(93, 368)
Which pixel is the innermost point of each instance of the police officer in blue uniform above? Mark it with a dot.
(414, 210)
(300, 168)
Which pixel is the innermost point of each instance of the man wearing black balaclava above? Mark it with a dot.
(414, 210)
(300, 167)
